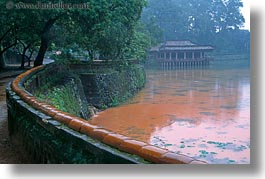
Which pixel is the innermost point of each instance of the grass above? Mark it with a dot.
(62, 98)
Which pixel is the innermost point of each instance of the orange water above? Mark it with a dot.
(204, 114)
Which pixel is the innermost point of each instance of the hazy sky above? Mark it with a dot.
(246, 13)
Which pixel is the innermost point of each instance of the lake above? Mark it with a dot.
(202, 113)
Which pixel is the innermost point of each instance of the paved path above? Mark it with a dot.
(8, 153)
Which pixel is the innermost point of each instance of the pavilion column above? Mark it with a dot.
(201, 54)
(192, 55)
(170, 55)
(185, 55)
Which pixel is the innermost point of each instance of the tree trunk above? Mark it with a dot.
(22, 66)
(91, 55)
(41, 53)
(2, 62)
(44, 42)
(31, 53)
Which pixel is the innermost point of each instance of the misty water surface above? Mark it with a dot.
(202, 113)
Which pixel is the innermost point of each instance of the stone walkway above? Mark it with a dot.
(8, 153)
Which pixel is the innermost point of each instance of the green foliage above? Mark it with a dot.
(62, 98)
(191, 17)
(114, 34)
(111, 29)
(140, 42)
(106, 29)
(212, 22)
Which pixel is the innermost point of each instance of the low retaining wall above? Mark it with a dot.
(52, 136)
(104, 90)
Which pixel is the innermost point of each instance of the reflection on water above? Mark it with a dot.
(204, 114)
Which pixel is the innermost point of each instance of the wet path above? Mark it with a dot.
(8, 153)
(204, 114)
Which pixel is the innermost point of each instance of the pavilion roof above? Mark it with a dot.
(155, 49)
(192, 48)
(181, 46)
(178, 43)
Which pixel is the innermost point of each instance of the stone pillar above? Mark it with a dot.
(185, 55)
(201, 54)
(193, 55)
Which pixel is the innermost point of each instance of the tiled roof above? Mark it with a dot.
(156, 48)
(178, 43)
(180, 46)
(188, 48)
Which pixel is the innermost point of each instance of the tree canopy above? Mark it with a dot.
(202, 21)
(112, 30)
(107, 28)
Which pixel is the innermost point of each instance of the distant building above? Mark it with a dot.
(180, 53)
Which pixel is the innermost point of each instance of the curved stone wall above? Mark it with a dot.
(52, 136)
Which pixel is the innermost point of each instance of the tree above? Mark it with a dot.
(140, 43)
(107, 28)
(197, 20)
(28, 33)
(119, 29)
(45, 39)
(24, 28)
(153, 31)
(7, 33)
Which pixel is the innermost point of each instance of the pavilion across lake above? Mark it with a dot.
(180, 54)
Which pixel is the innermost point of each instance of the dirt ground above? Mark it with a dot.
(8, 153)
